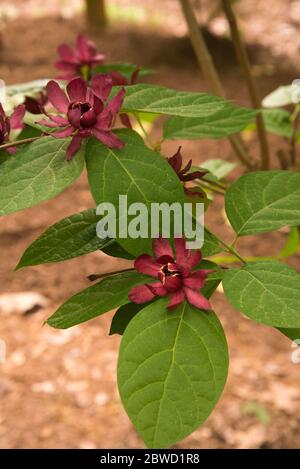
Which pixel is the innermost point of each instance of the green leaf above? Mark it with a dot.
(172, 370)
(71, 237)
(161, 100)
(37, 172)
(124, 68)
(211, 244)
(123, 317)
(263, 201)
(227, 121)
(293, 334)
(278, 122)
(135, 171)
(104, 296)
(266, 291)
(282, 96)
(218, 169)
(115, 250)
(292, 243)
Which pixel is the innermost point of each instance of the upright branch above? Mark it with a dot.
(210, 73)
(246, 69)
(96, 13)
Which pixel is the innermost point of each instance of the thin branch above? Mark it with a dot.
(19, 142)
(94, 277)
(210, 73)
(246, 69)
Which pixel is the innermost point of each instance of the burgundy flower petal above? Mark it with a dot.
(67, 67)
(63, 133)
(97, 104)
(157, 289)
(66, 53)
(195, 280)
(118, 78)
(74, 116)
(57, 96)
(83, 46)
(141, 294)
(162, 247)
(124, 118)
(193, 175)
(59, 120)
(48, 123)
(134, 76)
(89, 118)
(165, 259)
(108, 138)
(77, 90)
(16, 119)
(145, 264)
(11, 150)
(102, 85)
(196, 299)
(104, 121)
(176, 161)
(172, 283)
(186, 258)
(116, 102)
(176, 299)
(73, 147)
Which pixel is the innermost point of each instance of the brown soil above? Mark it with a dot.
(58, 388)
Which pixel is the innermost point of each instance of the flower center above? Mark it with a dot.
(169, 269)
(82, 114)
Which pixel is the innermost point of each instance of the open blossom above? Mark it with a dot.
(35, 104)
(79, 61)
(174, 276)
(183, 173)
(119, 79)
(87, 111)
(14, 122)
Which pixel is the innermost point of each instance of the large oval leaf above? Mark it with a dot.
(226, 122)
(71, 237)
(172, 370)
(161, 100)
(266, 291)
(37, 172)
(98, 299)
(135, 171)
(264, 201)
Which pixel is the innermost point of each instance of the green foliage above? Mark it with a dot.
(266, 291)
(104, 296)
(37, 172)
(160, 350)
(264, 201)
(71, 237)
(220, 124)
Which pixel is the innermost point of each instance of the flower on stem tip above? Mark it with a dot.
(14, 122)
(175, 277)
(86, 110)
(79, 61)
(36, 104)
(183, 173)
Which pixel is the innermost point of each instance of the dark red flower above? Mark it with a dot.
(185, 175)
(86, 110)
(35, 105)
(119, 79)
(79, 61)
(15, 121)
(176, 278)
